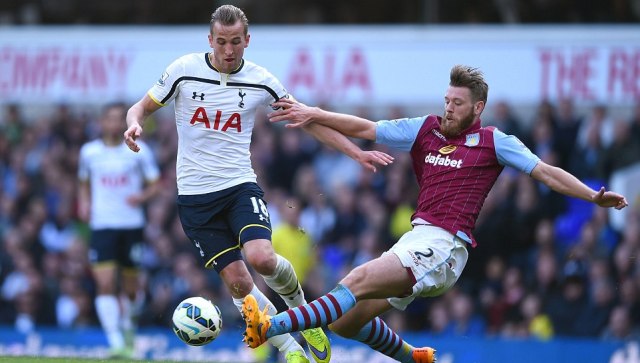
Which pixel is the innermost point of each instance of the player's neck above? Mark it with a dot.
(218, 68)
(111, 141)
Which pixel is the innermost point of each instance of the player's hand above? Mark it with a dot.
(607, 199)
(135, 200)
(298, 114)
(84, 211)
(369, 159)
(131, 135)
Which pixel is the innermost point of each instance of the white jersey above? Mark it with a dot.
(215, 115)
(115, 173)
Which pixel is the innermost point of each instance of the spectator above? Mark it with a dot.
(439, 319)
(292, 242)
(465, 322)
(588, 154)
(620, 326)
(504, 119)
(547, 281)
(493, 307)
(623, 151)
(289, 155)
(596, 314)
(13, 124)
(630, 298)
(570, 305)
(565, 131)
(597, 123)
(536, 322)
(634, 121)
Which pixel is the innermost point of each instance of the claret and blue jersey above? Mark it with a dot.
(454, 174)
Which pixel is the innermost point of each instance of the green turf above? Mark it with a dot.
(32, 359)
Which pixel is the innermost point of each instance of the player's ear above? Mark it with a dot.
(478, 107)
(247, 38)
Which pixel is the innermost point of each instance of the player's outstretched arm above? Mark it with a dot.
(331, 137)
(135, 120)
(567, 184)
(300, 115)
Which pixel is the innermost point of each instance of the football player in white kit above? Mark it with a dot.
(114, 185)
(220, 204)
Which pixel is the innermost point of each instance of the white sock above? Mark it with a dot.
(131, 311)
(285, 282)
(285, 342)
(108, 311)
(126, 321)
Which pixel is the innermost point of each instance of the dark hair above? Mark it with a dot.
(471, 78)
(229, 15)
(116, 104)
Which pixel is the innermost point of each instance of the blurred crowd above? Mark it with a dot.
(32, 12)
(545, 265)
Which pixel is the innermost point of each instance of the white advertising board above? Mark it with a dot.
(404, 65)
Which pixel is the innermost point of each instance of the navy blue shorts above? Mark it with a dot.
(219, 223)
(121, 246)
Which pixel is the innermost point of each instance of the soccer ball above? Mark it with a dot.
(197, 321)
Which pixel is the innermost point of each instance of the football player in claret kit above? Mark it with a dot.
(114, 186)
(456, 162)
(221, 207)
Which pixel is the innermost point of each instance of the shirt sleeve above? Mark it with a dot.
(166, 88)
(400, 133)
(512, 152)
(275, 89)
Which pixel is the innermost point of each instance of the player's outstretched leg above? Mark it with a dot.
(285, 282)
(320, 312)
(294, 353)
(377, 335)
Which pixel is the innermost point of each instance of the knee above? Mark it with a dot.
(355, 281)
(263, 261)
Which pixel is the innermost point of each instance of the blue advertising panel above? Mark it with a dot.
(161, 344)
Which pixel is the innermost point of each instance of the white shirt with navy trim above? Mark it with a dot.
(114, 174)
(215, 115)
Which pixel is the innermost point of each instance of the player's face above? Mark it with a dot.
(113, 123)
(228, 43)
(459, 111)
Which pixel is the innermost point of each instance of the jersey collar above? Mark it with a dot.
(207, 59)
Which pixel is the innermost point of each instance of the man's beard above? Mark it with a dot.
(451, 128)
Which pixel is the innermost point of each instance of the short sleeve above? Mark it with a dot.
(512, 152)
(166, 88)
(399, 134)
(275, 89)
